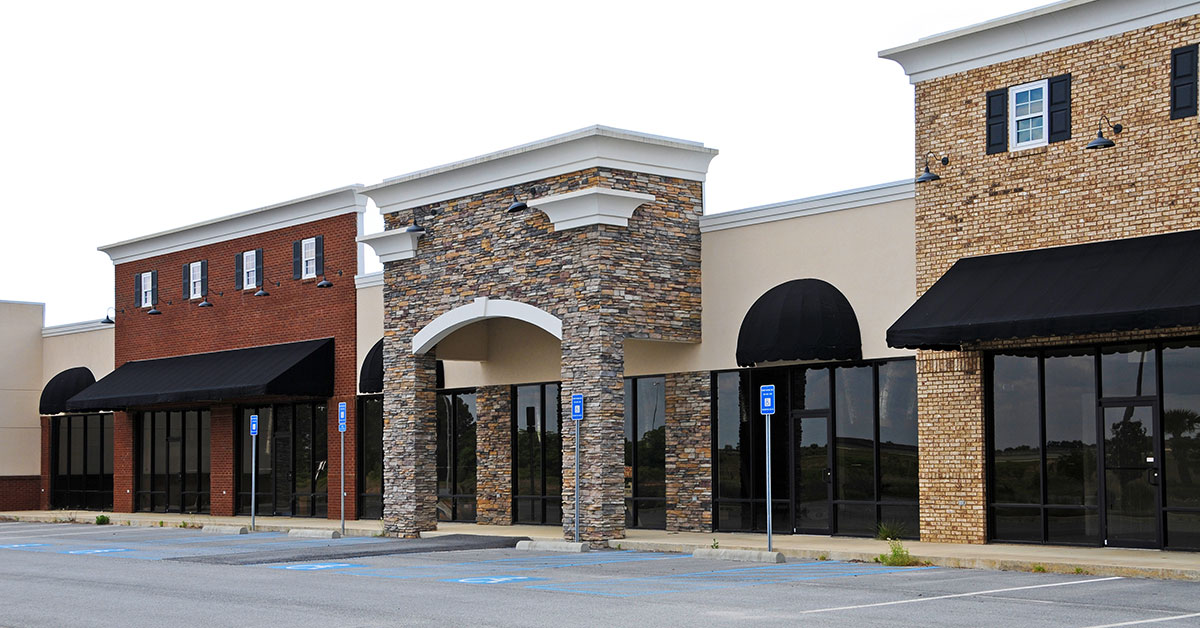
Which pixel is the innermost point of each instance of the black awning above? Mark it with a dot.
(62, 387)
(1120, 285)
(294, 369)
(804, 319)
(370, 378)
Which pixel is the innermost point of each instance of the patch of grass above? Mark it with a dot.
(897, 555)
(161, 524)
(102, 520)
(888, 530)
(715, 544)
(1039, 568)
(823, 557)
(1082, 572)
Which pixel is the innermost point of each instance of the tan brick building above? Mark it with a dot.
(1008, 449)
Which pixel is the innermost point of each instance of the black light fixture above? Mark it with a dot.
(107, 320)
(325, 283)
(413, 228)
(520, 205)
(517, 205)
(930, 176)
(262, 289)
(154, 311)
(1101, 141)
(204, 303)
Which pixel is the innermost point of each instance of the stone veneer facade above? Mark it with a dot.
(1058, 194)
(493, 456)
(605, 283)
(689, 452)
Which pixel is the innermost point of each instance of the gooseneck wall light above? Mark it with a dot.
(325, 283)
(931, 176)
(1101, 141)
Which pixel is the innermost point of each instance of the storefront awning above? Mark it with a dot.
(370, 377)
(293, 369)
(62, 387)
(1120, 285)
(804, 319)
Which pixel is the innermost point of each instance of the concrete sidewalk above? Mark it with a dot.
(1051, 558)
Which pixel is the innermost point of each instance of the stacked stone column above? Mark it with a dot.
(493, 455)
(409, 439)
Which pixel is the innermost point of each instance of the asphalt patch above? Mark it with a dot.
(332, 551)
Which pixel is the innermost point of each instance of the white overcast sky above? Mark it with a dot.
(119, 119)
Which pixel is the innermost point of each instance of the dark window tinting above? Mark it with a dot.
(81, 460)
(537, 454)
(370, 457)
(456, 414)
(1181, 444)
(645, 452)
(292, 468)
(173, 472)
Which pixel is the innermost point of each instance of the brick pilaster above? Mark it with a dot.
(124, 461)
(222, 461)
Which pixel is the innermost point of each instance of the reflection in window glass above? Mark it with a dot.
(1070, 408)
(645, 457)
(456, 413)
(854, 426)
(1016, 432)
(898, 431)
(1181, 430)
(1128, 371)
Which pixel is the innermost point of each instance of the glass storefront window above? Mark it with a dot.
(292, 462)
(174, 461)
(645, 452)
(82, 462)
(370, 457)
(456, 415)
(1128, 371)
(537, 454)
(1016, 434)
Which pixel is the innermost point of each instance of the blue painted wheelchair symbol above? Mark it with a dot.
(316, 566)
(492, 579)
(22, 545)
(96, 551)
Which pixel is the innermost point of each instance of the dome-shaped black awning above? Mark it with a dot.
(370, 377)
(62, 387)
(804, 319)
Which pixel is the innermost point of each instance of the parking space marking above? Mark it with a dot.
(316, 566)
(1148, 621)
(954, 595)
(492, 579)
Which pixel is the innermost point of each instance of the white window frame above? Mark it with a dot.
(195, 280)
(1013, 119)
(249, 278)
(146, 296)
(308, 255)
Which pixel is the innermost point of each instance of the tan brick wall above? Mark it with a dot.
(1055, 195)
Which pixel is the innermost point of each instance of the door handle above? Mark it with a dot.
(1152, 476)
(827, 475)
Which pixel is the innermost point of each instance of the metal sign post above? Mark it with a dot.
(577, 418)
(253, 466)
(766, 405)
(342, 457)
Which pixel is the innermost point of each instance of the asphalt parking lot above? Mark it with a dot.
(55, 574)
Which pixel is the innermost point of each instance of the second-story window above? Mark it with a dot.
(195, 280)
(146, 292)
(249, 276)
(309, 257)
(1027, 115)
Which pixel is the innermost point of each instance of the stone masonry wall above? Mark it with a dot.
(1055, 195)
(605, 283)
(689, 452)
(493, 455)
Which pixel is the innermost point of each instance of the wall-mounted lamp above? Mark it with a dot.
(927, 175)
(415, 227)
(154, 311)
(517, 206)
(204, 303)
(108, 320)
(1101, 141)
(262, 290)
(520, 205)
(325, 283)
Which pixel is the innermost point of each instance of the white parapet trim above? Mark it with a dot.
(76, 328)
(591, 206)
(368, 280)
(481, 309)
(1031, 32)
(591, 147)
(394, 245)
(787, 210)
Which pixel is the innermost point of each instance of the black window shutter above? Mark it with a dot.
(997, 121)
(137, 290)
(1183, 82)
(187, 281)
(204, 278)
(237, 265)
(1059, 109)
(258, 275)
(297, 257)
(154, 287)
(320, 246)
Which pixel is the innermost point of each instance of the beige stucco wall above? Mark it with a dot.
(370, 323)
(20, 387)
(517, 353)
(867, 252)
(93, 349)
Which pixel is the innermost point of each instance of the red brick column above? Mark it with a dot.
(47, 444)
(124, 461)
(333, 442)
(221, 458)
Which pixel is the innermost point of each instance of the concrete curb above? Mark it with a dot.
(745, 556)
(552, 546)
(308, 533)
(220, 529)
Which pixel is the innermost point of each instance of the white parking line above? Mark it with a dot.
(946, 597)
(17, 536)
(1147, 621)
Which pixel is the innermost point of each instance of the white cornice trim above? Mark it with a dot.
(592, 147)
(480, 309)
(369, 280)
(591, 206)
(75, 328)
(343, 200)
(846, 199)
(1031, 32)
(394, 245)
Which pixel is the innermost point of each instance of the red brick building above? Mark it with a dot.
(253, 314)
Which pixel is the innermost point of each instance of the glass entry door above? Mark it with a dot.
(812, 473)
(1131, 476)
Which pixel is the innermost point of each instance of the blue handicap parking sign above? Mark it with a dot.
(342, 416)
(766, 397)
(576, 407)
(254, 425)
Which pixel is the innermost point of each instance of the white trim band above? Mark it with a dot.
(481, 309)
(787, 210)
(75, 328)
(394, 245)
(591, 206)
